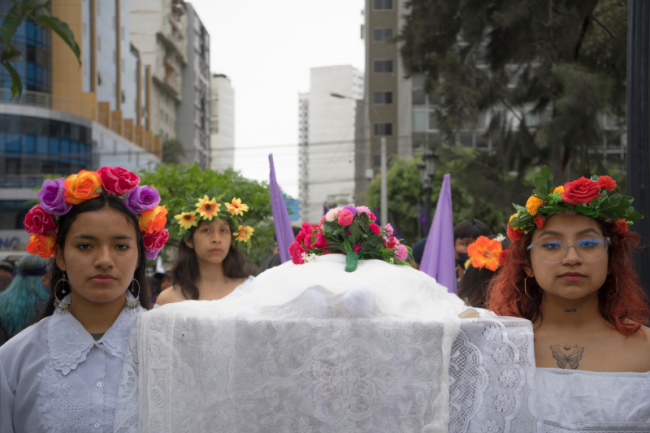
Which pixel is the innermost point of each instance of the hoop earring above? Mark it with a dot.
(614, 294)
(135, 303)
(526, 289)
(61, 307)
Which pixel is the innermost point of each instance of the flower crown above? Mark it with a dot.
(351, 230)
(590, 197)
(486, 253)
(57, 196)
(207, 209)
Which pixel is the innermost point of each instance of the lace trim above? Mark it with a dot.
(553, 427)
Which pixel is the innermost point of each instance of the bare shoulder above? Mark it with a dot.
(170, 295)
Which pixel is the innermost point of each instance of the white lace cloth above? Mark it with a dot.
(54, 377)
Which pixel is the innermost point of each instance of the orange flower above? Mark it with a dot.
(81, 186)
(41, 245)
(485, 253)
(533, 204)
(236, 207)
(559, 189)
(244, 234)
(207, 208)
(153, 220)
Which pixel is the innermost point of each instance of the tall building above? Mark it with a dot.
(222, 123)
(328, 140)
(193, 119)
(71, 117)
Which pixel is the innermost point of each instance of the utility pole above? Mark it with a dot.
(638, 128)
(384, 192)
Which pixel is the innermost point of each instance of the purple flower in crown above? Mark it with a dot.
(152, 255)
(52, 197)
(351, 209)
(141, 198)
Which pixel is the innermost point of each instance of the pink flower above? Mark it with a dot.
(117, 180)
(155, 241)
(401, 253)
(345, 217)
(389, 229)
(374, 228)
(321, 242)
(39, 221)
(363, 209)
(391, 243)
(357, 248)
(323, 219)
(304, 237)
(296, 250)
(372, 216)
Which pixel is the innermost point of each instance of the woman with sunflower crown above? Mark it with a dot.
(569, 270)
(208, 265)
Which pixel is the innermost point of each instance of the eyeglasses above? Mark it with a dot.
(554, 251)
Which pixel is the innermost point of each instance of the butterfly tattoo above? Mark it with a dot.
(563, 359)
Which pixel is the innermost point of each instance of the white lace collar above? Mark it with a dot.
(68, 341)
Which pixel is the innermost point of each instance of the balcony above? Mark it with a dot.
(46, 100)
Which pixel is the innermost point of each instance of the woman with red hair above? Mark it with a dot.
(569, 271)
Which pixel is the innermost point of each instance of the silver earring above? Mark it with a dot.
(61, 307)
(135, 303)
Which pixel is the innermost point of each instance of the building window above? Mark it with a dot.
(380, 98)
(383, 5)
(383, 129)
(377, 160)
(383, 66)
(379, 35)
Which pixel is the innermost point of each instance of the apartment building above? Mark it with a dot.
(329, 144)
(222, 123)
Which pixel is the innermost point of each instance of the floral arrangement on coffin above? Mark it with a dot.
(209, 208)
(57, 196)
(590, 197)
(486, 253)
(351, 231)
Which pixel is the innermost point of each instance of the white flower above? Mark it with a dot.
(490, 427)
(502, 403)
(501, 238)
(308, 257)
(490, 332)
(508, 379)
(501, 355)
(332, 214)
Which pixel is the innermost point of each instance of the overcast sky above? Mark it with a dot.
(267, 48)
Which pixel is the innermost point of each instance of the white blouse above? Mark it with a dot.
(54, 377)
(586, 401)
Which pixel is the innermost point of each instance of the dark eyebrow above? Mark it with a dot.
(91, 237)
(588, 230)
(551, 233)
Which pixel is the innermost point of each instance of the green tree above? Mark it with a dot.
(176, 183)
(173, 152)
(405, 189)
(546, 69)
(38, 11)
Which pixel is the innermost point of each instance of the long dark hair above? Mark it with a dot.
(65, 223)
(186, 266)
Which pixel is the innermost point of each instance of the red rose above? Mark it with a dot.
(372, 216)
(304, 237)
(118, 180)
(321, 242)
(580, 191)
(39, 221)
(155, 241)
(621, 226)
(515, 234)
(539, 221)
(606, 182)
(391, 242)
(374, 228)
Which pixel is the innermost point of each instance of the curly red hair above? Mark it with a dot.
(626, 310)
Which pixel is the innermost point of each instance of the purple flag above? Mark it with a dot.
(438, 260)
(283, 231)
(325, 209)
(423, 219)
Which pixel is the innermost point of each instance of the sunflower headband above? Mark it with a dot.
(207, 209)
(486, 253)
(57, 196)
(590, 197)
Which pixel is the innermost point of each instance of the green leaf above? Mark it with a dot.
(11, 54)
(16, 83)
(63, 30)
(12, 21)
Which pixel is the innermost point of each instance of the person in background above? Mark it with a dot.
(5, 281)
(486, 256)
(274, 260)
(25, 298)
(167, 279)
(6, 267)
(208, 265)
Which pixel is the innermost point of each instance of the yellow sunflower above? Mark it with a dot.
(207, 208)
(244, 234)
(236, 207)
(187, 220)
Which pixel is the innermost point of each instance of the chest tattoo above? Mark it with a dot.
(567, 355)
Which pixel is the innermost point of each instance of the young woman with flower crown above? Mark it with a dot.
(208, 266)
(569, 271)
(62, 374)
